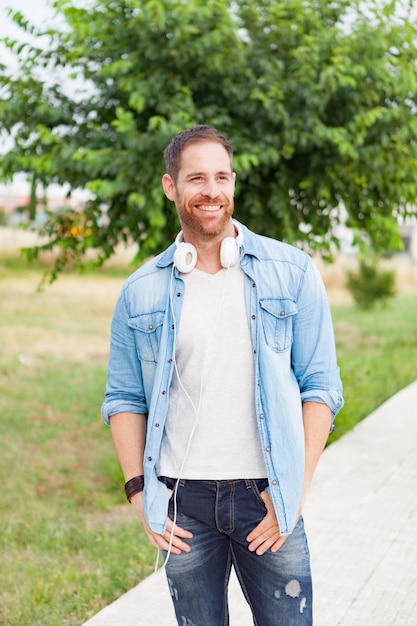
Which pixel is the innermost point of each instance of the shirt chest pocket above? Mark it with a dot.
(147, 328)
(277, 322)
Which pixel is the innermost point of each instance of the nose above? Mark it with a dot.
(211, 189)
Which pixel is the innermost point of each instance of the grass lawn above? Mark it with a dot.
(69, 542)
(377, 354)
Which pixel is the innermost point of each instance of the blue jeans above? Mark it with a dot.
(221, 514)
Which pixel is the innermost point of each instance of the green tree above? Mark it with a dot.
(318, 98)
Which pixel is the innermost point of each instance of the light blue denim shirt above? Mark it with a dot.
(293, 343)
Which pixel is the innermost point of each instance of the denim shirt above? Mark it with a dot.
(294, 349)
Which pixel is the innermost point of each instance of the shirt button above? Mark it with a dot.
(163, 392)
(156, 425)
(261, 417)
(282, 313)
(150, 327)
(268, 449)
(254, 317)
(274, 482)
(149, 458)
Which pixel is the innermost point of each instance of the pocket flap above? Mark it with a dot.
(147, 322)
(279, 308)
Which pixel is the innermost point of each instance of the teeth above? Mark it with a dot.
(209, 207)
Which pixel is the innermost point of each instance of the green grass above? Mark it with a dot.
(377, 354)
(70, 543)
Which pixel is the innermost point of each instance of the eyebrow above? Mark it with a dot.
(221, 172)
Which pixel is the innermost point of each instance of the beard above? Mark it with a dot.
(204, 223)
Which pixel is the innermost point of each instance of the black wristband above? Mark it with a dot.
(134, 485)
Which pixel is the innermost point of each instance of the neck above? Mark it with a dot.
(208, 258)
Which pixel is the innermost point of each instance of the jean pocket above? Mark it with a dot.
(259, 485)
(170, 485)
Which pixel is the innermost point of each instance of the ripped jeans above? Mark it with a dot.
(221, 514)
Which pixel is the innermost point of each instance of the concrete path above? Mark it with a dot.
(361, 520)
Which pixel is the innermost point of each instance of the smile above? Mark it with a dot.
(209, 207)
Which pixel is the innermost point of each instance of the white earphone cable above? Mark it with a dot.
(196, 409)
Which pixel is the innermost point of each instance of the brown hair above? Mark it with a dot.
(173, 151)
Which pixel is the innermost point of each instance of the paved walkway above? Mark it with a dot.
(361, 519)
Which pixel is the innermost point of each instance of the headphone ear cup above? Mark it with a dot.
(185, 257)
(229, 252)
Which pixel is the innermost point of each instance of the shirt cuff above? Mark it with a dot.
(112, 407)
(331, 398)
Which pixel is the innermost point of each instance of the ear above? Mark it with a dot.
(168, 186)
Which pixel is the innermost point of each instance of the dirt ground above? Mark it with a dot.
(69, 321)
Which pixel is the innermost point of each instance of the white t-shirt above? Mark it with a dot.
(211, 430)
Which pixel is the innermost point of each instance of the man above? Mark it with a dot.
(222, 386)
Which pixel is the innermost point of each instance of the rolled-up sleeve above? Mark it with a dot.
(313, 351)
(124, 390)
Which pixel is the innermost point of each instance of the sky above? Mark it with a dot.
(39, 13)
(36, 10)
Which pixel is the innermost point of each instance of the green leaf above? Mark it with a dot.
(318, 99)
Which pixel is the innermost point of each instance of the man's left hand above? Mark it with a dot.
(266, 535)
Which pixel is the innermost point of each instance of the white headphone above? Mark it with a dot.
(185, 257)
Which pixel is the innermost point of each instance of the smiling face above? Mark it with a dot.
(203, 191)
